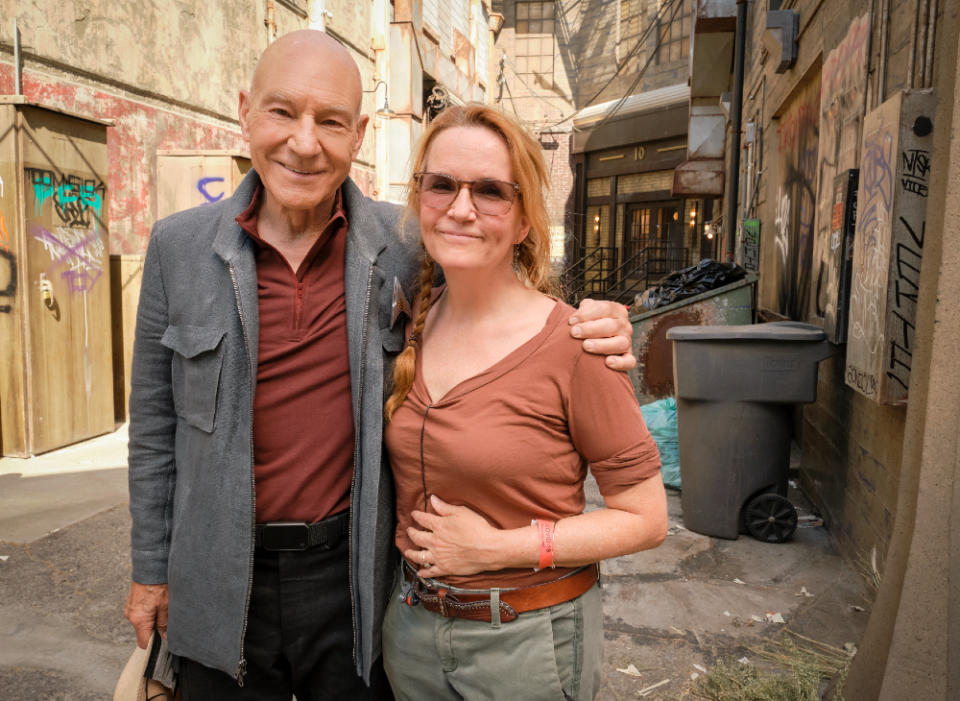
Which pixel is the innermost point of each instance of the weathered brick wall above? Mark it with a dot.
(851, 446)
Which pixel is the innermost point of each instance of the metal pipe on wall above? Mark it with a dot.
(931, 34)
(271, 21)
(920, 29)
(912, 51)
(882, 71)
(736, 116)
(17, 60)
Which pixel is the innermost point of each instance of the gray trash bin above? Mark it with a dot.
(735, 386)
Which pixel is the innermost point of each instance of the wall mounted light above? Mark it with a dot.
(384, 111)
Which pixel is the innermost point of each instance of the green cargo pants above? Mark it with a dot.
(553, 654)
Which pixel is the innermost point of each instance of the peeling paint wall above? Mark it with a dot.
(167, 73)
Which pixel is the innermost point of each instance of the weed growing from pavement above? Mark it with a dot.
(794, 674)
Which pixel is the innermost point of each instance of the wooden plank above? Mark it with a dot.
(126, 273)
(67, 274)
(13, 387)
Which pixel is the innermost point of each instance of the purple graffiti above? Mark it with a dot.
(202, 187)
(80, 250)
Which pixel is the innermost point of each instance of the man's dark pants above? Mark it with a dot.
(299, 637)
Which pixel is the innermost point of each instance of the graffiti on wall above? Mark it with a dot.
(208, 197)
(77, 253)
(77, 201)
(10, 290)
(65, 223)
(797, 136)
(843, 82)
(888, 247)
(7, 260)
(872, 254)
(751, 244)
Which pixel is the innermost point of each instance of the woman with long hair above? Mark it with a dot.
(495, 414)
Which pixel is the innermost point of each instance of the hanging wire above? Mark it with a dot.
(657, 20)
(677, 5)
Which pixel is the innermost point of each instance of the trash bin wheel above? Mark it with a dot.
(770, 517)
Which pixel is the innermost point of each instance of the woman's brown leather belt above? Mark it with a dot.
(457, 603)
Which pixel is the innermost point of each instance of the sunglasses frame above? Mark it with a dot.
(514, 188)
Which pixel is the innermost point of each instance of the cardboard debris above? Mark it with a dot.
(803, 592)
(809, 521)
(774, 617)
(631, 670)
(647, 689)
(757, 619)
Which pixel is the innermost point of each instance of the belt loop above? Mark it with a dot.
(495, 607)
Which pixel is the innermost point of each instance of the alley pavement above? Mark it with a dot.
(669, 614)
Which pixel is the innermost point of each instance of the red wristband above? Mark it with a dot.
(545, 529)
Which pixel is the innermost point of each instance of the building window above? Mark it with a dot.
(675, 39)
(535, 17)
(629, 28)
(534, 41)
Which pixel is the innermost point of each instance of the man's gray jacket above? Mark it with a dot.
(191, 420)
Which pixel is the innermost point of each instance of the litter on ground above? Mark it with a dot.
(631, 670)
(647, 689)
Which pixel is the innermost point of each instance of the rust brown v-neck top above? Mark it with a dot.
(513, 442)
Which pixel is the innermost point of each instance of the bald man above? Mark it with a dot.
(261, 500)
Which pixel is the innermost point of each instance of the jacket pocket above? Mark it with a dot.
(197, 360)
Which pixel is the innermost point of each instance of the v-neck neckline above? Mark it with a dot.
(498, 369)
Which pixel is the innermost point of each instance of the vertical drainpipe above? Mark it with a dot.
(17, 60)
(318, 15)
(736, 116)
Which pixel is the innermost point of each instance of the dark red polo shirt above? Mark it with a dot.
(302, 408)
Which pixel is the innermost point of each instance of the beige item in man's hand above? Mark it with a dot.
(148, 674)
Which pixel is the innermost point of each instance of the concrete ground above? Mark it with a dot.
(667, 613)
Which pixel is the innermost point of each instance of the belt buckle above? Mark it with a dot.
(284, 536)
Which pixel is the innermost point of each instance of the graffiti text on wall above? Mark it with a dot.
(77, 201)
(844, 81)
(916, 168)
(79, 252)
(11, 288)
(796, 199)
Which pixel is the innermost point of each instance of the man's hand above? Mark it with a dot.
(146, 609)
(607, 331)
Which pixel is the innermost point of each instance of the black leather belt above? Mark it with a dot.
(290, 536)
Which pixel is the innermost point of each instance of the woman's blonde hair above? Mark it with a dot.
(532, 255)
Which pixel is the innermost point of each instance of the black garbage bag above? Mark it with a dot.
(704, 276)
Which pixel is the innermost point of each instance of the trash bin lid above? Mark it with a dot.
(773, 331)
